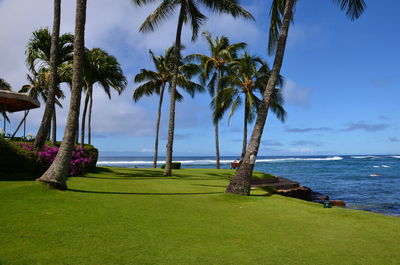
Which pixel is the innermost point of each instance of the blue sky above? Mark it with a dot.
(341, 87)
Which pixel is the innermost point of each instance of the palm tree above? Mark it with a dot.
(38, 88)
(247, 77)
(48, 52)
(156, 81)
(102, 69)
(222, 52)
(189, 12)
(55, 176)
(4, 86)
(281, 17)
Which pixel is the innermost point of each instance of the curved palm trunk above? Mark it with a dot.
(56, 175)
(217, 156)
(20, 124)
(241, 182)
(84, 118)
(44, 128)
(158, 126)
(177, 51)
(246, 116)
(54, 128)
(90, 117)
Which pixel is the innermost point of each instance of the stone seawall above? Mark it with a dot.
(290, 188)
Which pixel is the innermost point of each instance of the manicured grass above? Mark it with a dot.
(137, 216)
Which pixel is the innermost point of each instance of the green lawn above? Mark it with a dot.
(137, 216)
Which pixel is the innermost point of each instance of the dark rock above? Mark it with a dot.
(338, 203)
(300, 192)
(319, 197)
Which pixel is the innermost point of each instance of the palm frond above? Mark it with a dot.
(353, 8)
(147, 89)
(196, 18)
(4, 85)
(230, 7)
(162, 13)
(276, 16)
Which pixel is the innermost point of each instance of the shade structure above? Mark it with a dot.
(13, 101)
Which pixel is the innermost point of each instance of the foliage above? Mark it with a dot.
(191, 12)
(20, 157)
(138, 216)
(155, 81)
(39, 46)
(4, 85)
(247, 78)
(18, 161)
(174, 165)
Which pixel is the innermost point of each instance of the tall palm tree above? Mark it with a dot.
(38, 89)
(156, 81)
(4, 85)
(104, 70)
(221, 53)
(246, 82)
(281, 17)
(189, 12)
(48, 52)
(56, 175)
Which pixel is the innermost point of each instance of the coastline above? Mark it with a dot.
(353, 179)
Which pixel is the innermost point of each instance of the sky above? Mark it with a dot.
(341, 78)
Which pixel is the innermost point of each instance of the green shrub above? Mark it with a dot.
(15, 161)
(174, 165)
(94, 153)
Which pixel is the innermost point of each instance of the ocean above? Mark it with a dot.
(370, 183)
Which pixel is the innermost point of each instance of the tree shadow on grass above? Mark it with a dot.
(140, 174)
(143, 193)
(18, 177)
(207, 185)
(128, 177)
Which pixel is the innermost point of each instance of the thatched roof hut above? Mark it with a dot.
(13, 101)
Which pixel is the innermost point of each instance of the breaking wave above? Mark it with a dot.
(210, 161)
(364, 157)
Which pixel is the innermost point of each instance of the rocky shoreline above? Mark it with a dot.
(290, 188)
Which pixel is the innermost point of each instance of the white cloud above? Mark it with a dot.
(300, 150)
(300, 34)
(112, 26)
(296, 95)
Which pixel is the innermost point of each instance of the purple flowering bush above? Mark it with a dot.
(81, 159)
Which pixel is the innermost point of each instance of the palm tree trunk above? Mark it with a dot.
(77, 132)
(84, 118)
(246, 116)
(177, 51)
(158, 126)
(54, 128)
(90, 117)
(48, 112)
(56, 175)
(20, 124)
(241, 182)
(217, 156)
